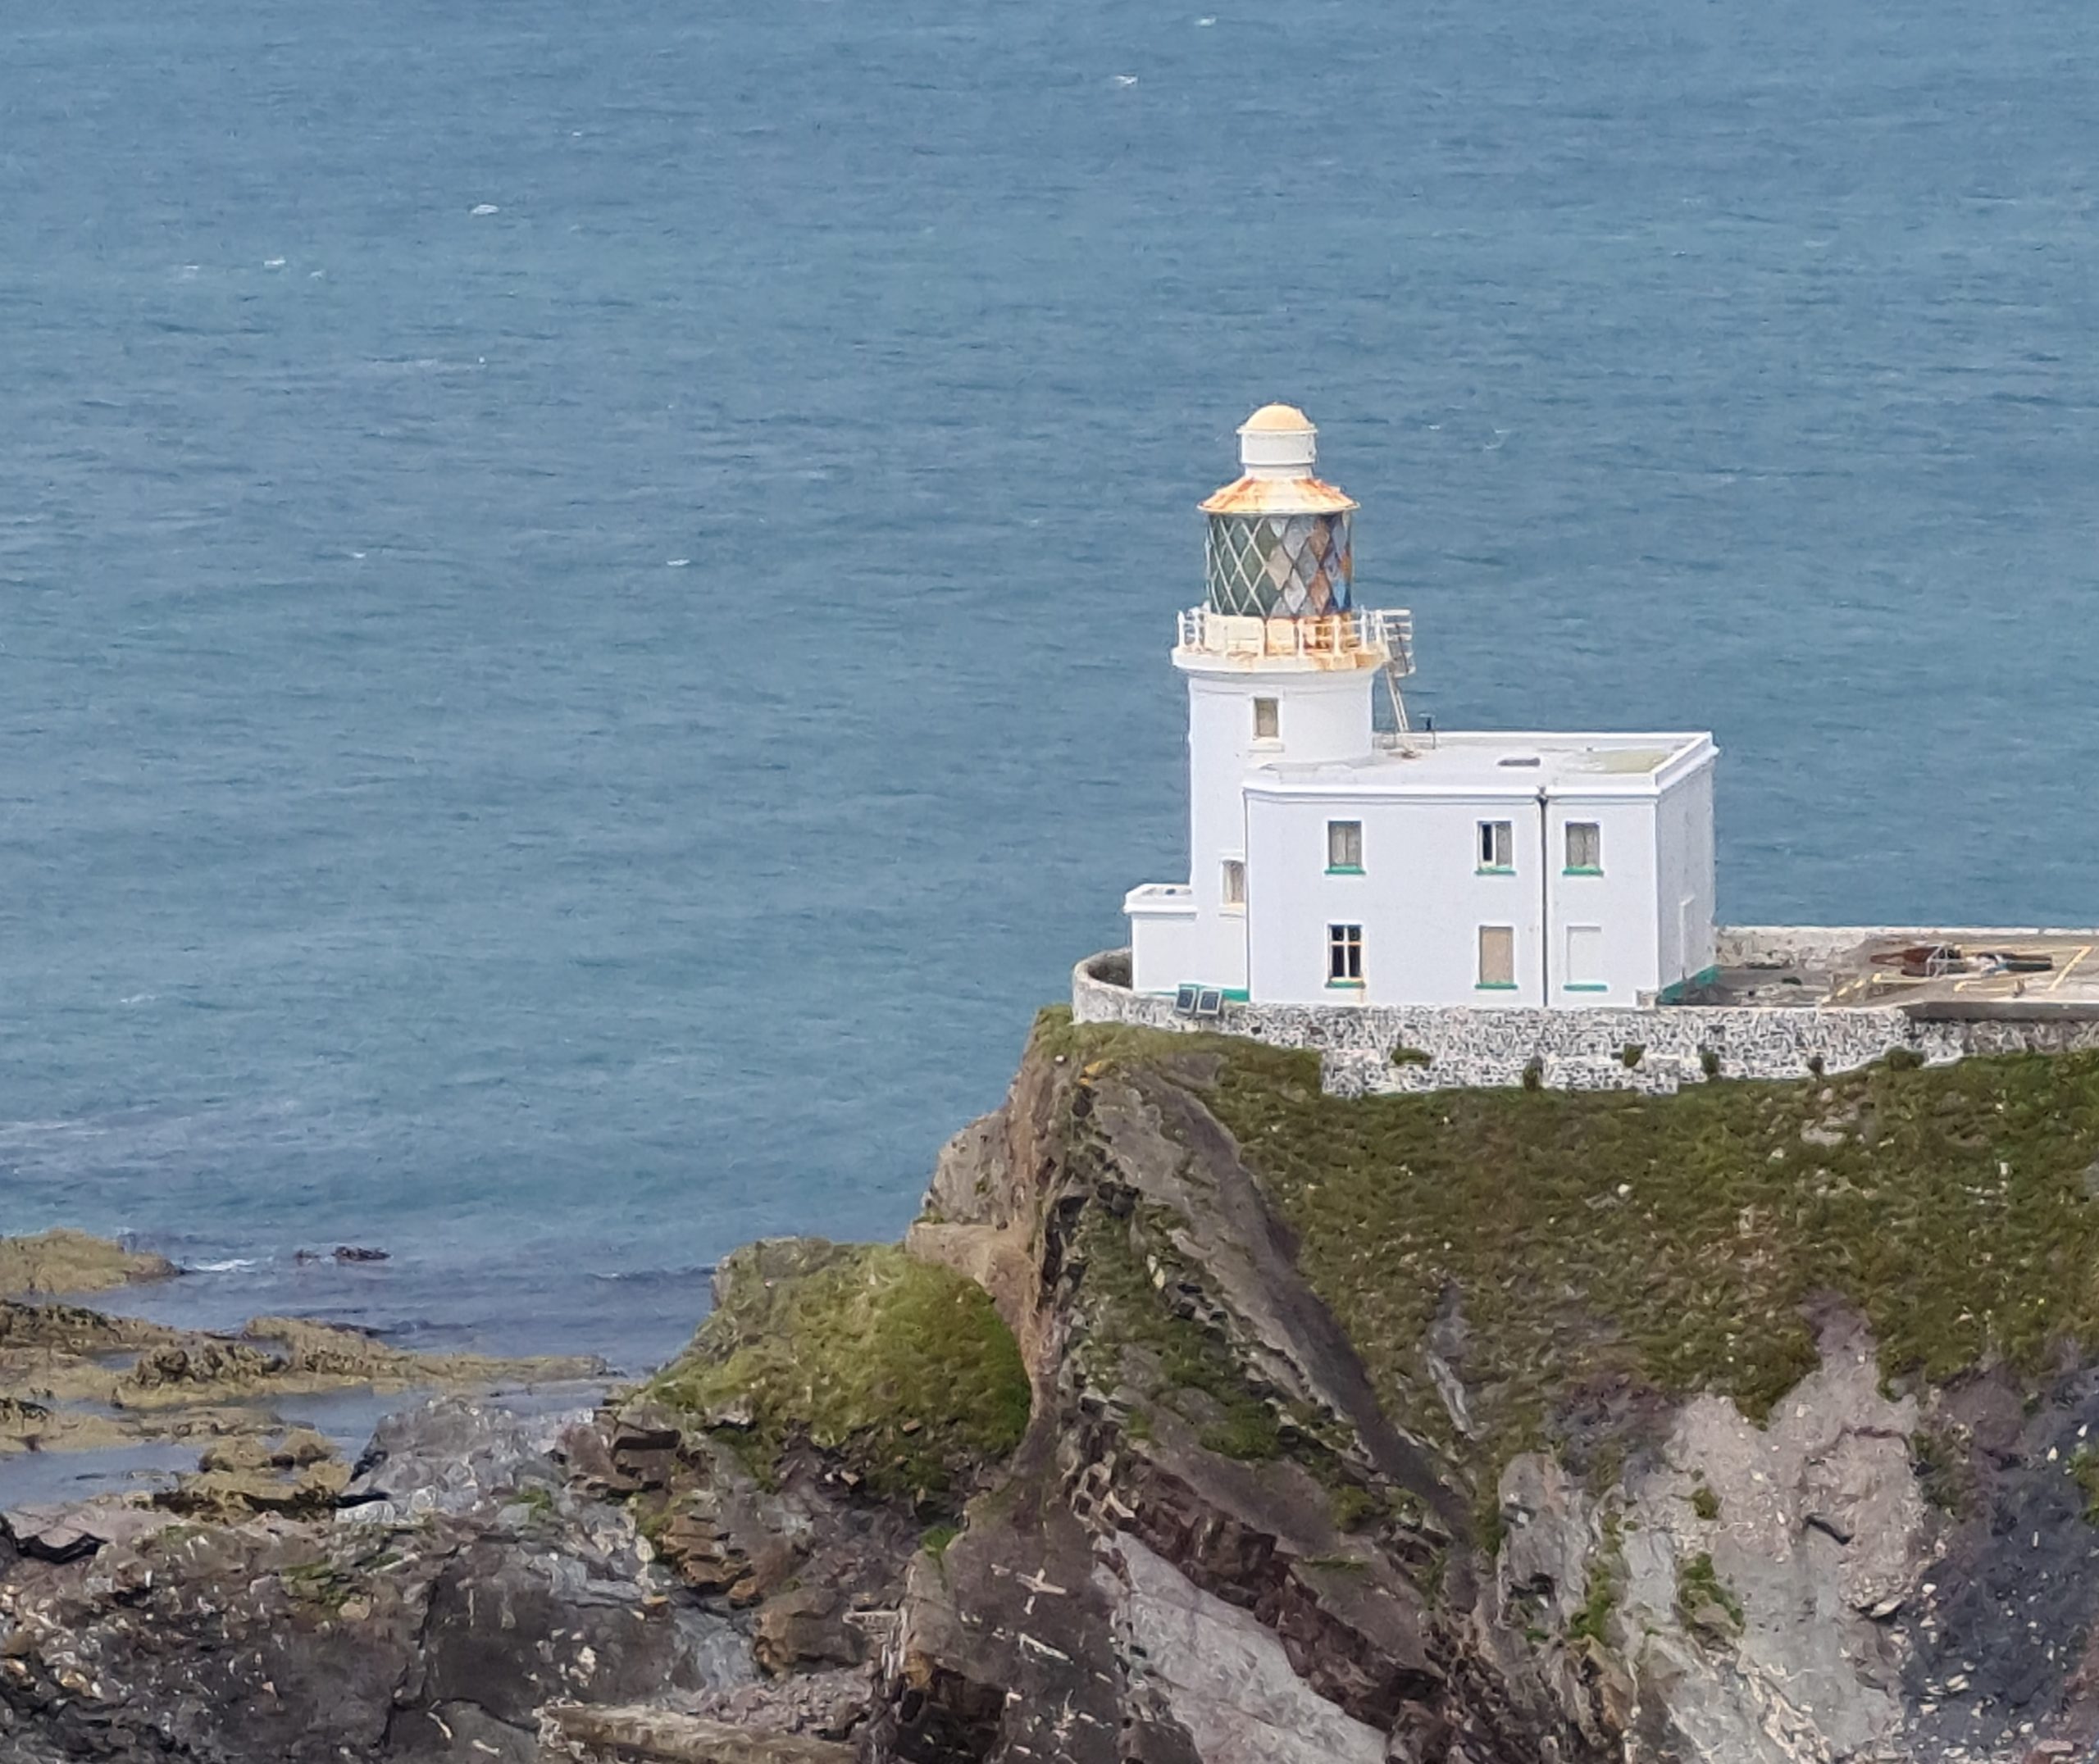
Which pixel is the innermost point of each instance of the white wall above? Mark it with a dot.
(1420, 900)
(1165, 949)
(1685, 861)
(1620, 902)
(1320, 716)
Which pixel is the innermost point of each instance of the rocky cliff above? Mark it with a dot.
(1206, 1419)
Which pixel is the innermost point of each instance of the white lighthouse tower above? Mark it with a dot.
(1281, 665)
(1330, 864)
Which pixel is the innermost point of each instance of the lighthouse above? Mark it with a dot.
(1331, 860)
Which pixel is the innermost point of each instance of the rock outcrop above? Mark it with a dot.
(1210, 1420)
(72, 1262)
(74, 1378)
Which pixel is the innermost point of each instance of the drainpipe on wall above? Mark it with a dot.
(1545, 905)
(1245, 900)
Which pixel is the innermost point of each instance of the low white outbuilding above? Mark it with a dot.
(1331, 862)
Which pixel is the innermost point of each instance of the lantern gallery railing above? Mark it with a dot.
(1382, 636)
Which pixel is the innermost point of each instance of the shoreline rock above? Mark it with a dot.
(73, 1379)
(63, 1261)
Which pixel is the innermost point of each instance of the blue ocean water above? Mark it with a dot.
(584, 590)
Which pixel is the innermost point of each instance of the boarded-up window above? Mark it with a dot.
(1585, 956)
(1585, 845)
(1234, 889)
(1497, 955)
(1344, 845)
(1268, 720)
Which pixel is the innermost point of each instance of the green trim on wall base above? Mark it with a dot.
(1344, 869)
(1495, 986)
(1582, 870)
(1671, 993)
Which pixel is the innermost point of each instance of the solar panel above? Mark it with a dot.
(1209, 1003)
(1184, 1001)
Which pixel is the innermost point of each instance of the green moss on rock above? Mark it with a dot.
(901, 1370)
(1703, 1603)
(1140, 1341)
(1605, 1574)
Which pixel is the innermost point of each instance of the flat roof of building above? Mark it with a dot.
(1497, 762)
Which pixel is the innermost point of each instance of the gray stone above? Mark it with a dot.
(1224, 1676)
(451, 1453)
(1579, 1049)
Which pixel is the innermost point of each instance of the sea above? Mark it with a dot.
(585, 589)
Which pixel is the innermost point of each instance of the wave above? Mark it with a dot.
(657, 1276)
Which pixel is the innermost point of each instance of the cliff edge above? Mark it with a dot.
(1204, 1418)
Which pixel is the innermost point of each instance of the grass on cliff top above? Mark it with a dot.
(1591, 1237)
(901, 1370)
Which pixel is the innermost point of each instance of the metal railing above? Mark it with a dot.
(1313, 638)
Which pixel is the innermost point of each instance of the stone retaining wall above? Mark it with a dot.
(1654, 1048)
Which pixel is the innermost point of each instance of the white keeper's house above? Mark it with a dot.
(1332, 861)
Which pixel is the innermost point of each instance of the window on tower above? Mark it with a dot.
(1233, 888)
(1344, 955)
(1497, 845)
(1585, 848)
(1268, 720)
(1344, 846)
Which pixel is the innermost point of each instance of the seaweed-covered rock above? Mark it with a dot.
(72, 1262)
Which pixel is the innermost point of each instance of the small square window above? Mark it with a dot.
(1344, 845)
(1344, 955)
(1268, 720)
(1585, 846)
(1232, 889)
(1497, 845)
(1497, 955)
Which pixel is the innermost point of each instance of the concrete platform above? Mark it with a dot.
(1968, 972)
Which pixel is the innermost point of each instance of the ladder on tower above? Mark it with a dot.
(1391, 670)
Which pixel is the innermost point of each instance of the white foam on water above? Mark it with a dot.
(676, 563)
(485, 208)
(233, 1266)
(1126, 79)
(273, 263)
